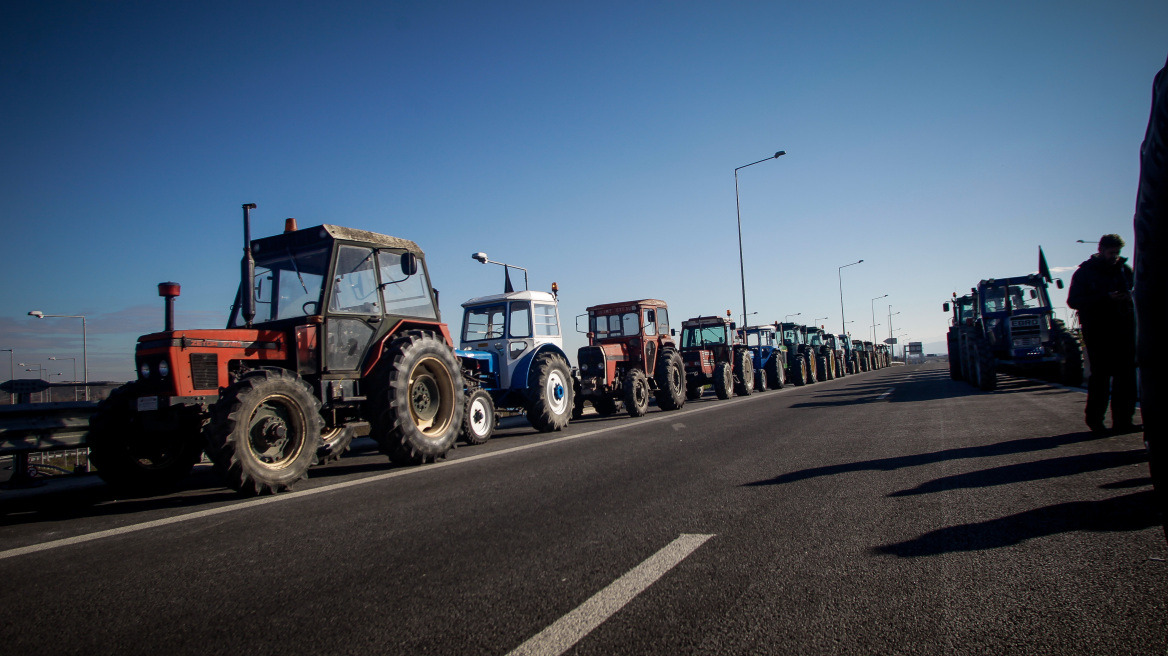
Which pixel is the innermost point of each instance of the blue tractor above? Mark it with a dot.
(770, 357)
(1014, 330)
(512, 352)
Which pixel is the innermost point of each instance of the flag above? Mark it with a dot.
(507, 288)
(1043, 270)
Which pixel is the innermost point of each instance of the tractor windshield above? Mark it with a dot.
(483, 322)
(616, 325)
(760, 338)
(701, 335)
(815, 339)
(1022, 296)
(286, 285)
(792, 336)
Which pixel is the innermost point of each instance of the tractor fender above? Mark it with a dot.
(522, 370)
(373, 355)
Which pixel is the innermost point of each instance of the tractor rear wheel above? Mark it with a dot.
(670, 376)
(264, 432)
(723, 380)
(549, 393)
(416, 399)
(636, 393)
(799, 372)
(743, 373)
(478, 424)
(812, 371)
(985, 367)
(774, 370)
(334, 442)
(131, 457)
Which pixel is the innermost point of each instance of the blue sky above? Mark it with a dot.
(593, 143)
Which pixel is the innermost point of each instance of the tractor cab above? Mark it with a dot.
(963, 310)
(716, 335)
(770, 355)
(1015, 316)
(632, 332)
(507, 330)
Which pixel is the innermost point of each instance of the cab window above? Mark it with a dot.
(545, 321)
(484, 322)
(354, 289)
(407, 296)
(520, 320)
(650, 324)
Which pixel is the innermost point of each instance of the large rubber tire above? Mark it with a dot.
(478, 421)
(577, 400)
(954, 354)
(799, 376)
(812, 370)
(670, 377)
(760, 380)
(264, 432)
(743, 373)
(693, 392)
(334, 442)
(605, 406)
(985, 366)
(775, 371)
(820, 368)
(416, 399)
(636, 393)
(1071, 366)
(130, 457)
(549, 393)
(723, 380)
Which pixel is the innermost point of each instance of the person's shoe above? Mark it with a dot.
(1125, 427)
(1097, 427)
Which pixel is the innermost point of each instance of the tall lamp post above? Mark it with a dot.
(738, 207)
(890, 315)
(11, 375)
(40, 375)
(84, 341)
(791, 315)
(840, 272)
(874, 324)
(74, 378)
(816, 321)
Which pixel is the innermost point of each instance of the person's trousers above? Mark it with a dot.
(1113, 378)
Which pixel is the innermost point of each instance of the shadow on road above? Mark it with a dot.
(925, 386)
(1131, 512)
(1029, 471)
(889, 464)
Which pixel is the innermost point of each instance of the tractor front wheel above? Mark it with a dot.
(636, 393)
(416, 399)
(760, 380)
(743, 373)
(264, 432)
(723, 380)
(131, 457)
(670, 376)
(549, 393)
(774, 370)
(334, 442)
(478, 424)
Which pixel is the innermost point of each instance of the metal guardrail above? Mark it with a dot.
(44, 426)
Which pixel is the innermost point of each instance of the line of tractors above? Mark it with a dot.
(1008, 325)
(336, 331)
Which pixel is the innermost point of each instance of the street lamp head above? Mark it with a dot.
(481, 257)
(780, 154)
(37, 313)
(859, 262)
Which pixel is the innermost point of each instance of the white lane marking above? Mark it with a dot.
(677, 425)
(885, 395)
(569, 629)
(245, 505)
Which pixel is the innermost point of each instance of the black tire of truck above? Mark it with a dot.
(636, 393)
(954, 355)
(334, 442)
(549, 393)
(416, 399)
(134, 460)
(670, 377)
(264, 432)
(743, 373)
(775, 371)
(723, 380)
(478, 421)
(984, 365)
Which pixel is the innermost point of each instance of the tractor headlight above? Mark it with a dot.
(163, 369)
(144, 370)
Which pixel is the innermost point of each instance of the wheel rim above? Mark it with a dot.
(479, 417)
(276, 431)
(676, 377)
(431, 396)
(556, 393)
(641, 393)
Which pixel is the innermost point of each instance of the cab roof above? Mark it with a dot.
(652, 302)
(315, 234)
(545, 297)
(702, 320)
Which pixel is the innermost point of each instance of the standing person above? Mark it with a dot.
(1151, 222)
(1101, 290)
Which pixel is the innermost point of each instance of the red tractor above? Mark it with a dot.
(630, 355)
(332, 328)
(715, 354)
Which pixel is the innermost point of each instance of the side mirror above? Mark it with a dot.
(733, 326)
(1058, 282)
(1033, 293)
(945, 306)
(409, 264)
(673, 332)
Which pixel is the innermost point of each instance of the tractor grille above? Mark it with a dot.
(591, 360)
(205, 371)
(1025, 332)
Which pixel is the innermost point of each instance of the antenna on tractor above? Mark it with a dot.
(246, 294)
(481, 257)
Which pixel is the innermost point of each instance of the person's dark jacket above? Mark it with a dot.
(1090, 289)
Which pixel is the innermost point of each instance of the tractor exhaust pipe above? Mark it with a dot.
(246, 294)
(169, 291)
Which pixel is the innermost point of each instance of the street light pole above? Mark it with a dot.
(874, 324)
(890, 315)
(74, 378)
(738, 207)
(11, 375)
(84, 341)
(815, 321)
(840, 272)
(791, 315)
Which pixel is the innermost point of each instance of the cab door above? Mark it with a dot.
(649, 338)
(354, 309)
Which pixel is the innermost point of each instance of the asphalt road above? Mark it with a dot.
(890, 512)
